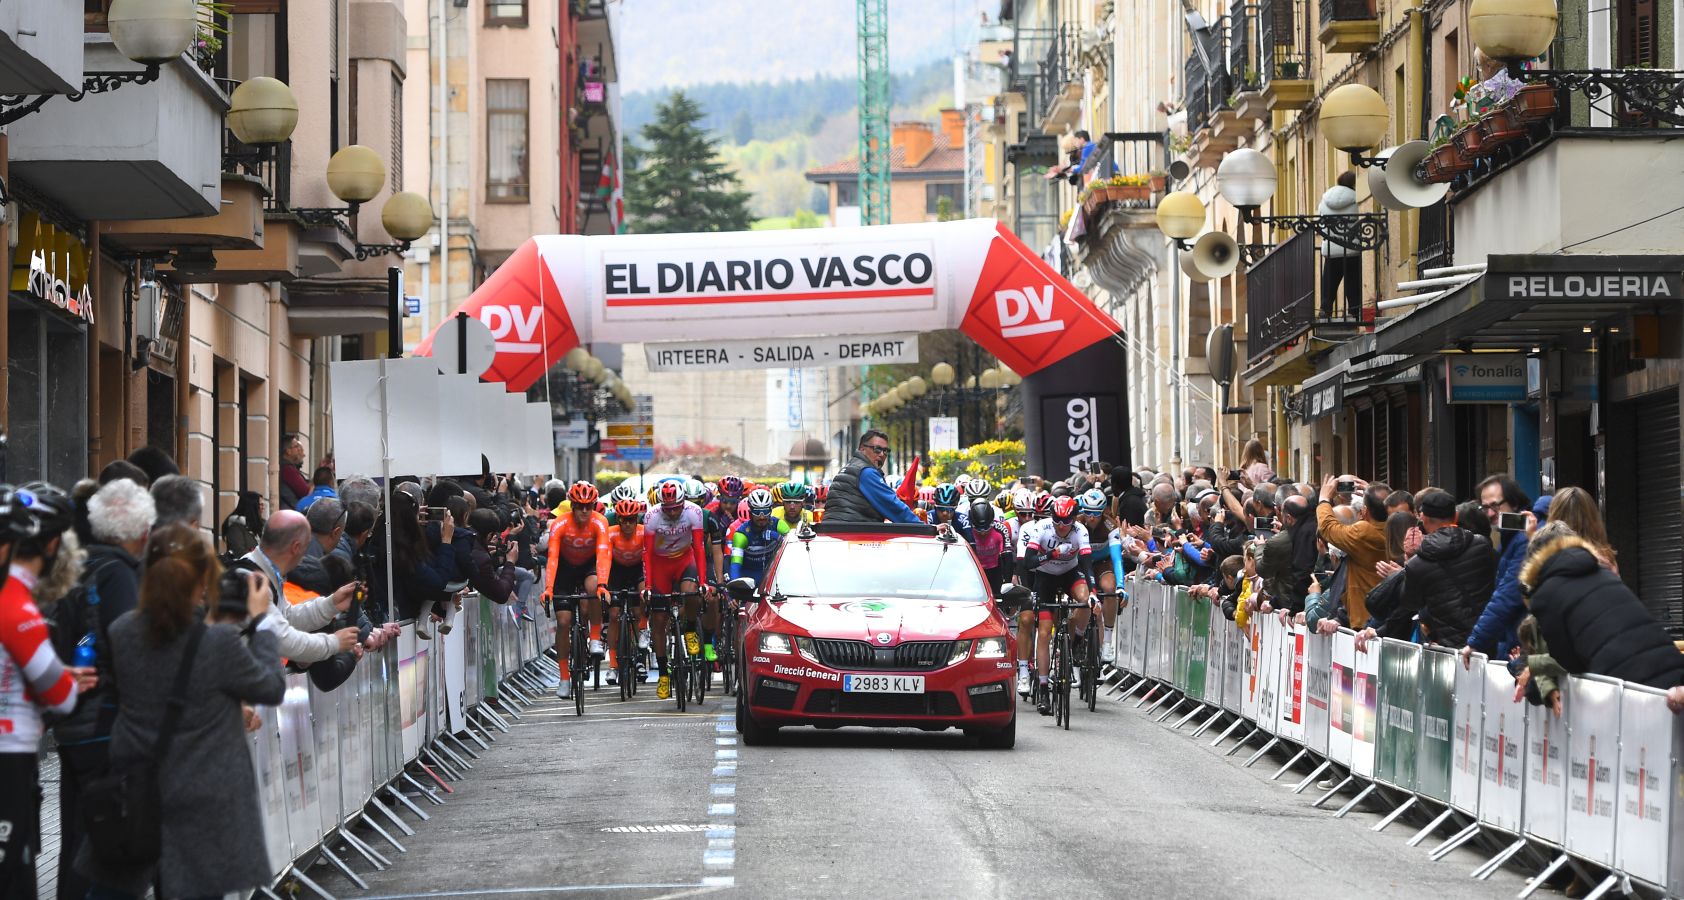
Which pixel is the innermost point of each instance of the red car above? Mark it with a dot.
(877, 625)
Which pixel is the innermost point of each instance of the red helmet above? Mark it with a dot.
(582, 493)
(670, 494)
(820, 493)
(629, 508)
(927, 494)
(1063, 509)
(1043, 505)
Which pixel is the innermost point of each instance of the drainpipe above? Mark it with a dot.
(443, 48)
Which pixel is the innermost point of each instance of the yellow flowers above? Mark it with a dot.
(997, 461)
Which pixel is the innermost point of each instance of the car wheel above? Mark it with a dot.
(754, 734)
(1003, 738)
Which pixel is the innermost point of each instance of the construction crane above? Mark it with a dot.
(874, 111)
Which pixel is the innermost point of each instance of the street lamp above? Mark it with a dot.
(262, 112)
(1181, 216)
(575, 359)
(1512, 30)
(942, 375)
(1247, 179)
(1353, 119)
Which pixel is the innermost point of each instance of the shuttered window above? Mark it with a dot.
(506, 135)
(1660, 534)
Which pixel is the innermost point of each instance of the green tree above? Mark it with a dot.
(742, 127)
(676, 181)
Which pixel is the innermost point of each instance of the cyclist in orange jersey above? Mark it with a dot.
(577, 540)
(619, 569)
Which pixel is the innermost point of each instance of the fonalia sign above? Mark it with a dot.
(753, 299)
(51, 265)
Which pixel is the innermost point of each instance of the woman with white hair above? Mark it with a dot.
(120, 517)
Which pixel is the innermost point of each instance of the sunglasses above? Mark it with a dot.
(877, 448)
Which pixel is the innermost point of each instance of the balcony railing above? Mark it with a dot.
(1059, 65)
(1282, 38)
(1242, 45)
(1281, 295)
(1433, 239)
(272, 167)
(1346, 11)
(1207, 78)
(1197, 102)
(1029, 47)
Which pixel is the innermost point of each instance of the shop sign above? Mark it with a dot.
(1554, 278)
(51, 265)
(1324, 399)
(1485, 377)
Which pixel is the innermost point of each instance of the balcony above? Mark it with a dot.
(238, 225)
(1282, 311)
(1059, 85)
(1284, 63)
(1348, 26)
(1434, 239)
(142, 151)
(326, 307)
(1243, 57)
(596, 44)
(276, 258)
(1589, 168)
(40, 48)
(1209, 98)
(1122, 244)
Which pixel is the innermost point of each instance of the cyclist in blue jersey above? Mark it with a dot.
(755, 541)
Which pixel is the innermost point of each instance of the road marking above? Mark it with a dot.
(724, 754)
(724, 790)
(722, 809)
(722, 831)
(724, 771)
(725, 858)
(551, 889)
(725, 742)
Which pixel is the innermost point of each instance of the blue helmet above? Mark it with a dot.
(1093, 502)
(947, 496)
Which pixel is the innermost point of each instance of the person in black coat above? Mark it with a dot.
(1592, 623)
(1446, 583)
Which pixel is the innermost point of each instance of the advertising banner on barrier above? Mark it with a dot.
(1544, 803)
(298, 766)
(1593, 758)
(1183, 606)
(456, 671)
(325, 712)
(1253, 637)
(1122, 630)
(1649, 796)
(1150, 623)
(1468, 734)
(1140, 626)
(1341, 712)
(1400, 670)
(1269, 666)
(1318, 687)
(1433, 758)
(1501, 770)
(1235, 656)
(1214, 662)
(1166, 634)
(271, 789)
(412, 689)
(1365, 708)
(1198, 645)
(1295, 660)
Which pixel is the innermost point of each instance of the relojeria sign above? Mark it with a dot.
(751, 299)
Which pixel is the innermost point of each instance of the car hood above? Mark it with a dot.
(869, 620)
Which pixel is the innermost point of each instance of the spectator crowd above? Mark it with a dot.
(139, 645)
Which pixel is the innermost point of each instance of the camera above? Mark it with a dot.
(231, 592)
(1262, 523)
(1345, 487)
(1511, 522)
(1233, 474)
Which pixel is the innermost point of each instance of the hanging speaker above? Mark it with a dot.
(1178, 171)
(1397, 186)
(1215, 255)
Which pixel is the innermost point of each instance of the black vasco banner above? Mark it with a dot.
(1076, 413)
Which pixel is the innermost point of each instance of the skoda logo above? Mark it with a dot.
(882, 637)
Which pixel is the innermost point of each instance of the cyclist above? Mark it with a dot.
(991, 542)
(674, 559)
(619, 568)
(1094, 516)
(33, 681)
(1058, 557)
(576, 542)
(1023, 505)
(793, 496)
(944, 509)
(820, 493)
(755, 541)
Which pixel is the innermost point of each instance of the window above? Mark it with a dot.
(505, 12)
(396, 167)
(933, 194)
(506, 157)
(847, 193)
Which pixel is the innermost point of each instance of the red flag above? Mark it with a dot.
(908, 490)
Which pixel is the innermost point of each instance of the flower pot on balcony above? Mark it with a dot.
(1133, 193)
(1471, 141)
(1534, 103)
(1445, 163)
(1501, 127)
(1159, 183)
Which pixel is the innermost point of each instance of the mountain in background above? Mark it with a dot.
(773, 132)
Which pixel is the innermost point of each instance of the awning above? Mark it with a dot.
(1526, 301)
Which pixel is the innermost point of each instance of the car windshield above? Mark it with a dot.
(913, 570)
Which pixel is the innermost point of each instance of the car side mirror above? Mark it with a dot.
(1014, 593)
(741, 589)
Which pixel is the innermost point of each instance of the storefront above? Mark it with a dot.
(50, 311)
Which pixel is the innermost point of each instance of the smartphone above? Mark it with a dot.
(1511, 522)
(1345, 487)
(1262, 523)
(437, 513)
(1233, 474)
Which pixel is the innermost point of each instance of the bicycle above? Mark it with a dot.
(625, 650)
(1062, 659)
(680, 663)
(1090, 660)
(579, 653)
(728, 644)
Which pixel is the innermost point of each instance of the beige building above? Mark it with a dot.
(926, 175)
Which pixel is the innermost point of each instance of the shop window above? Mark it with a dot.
(47, 394)
(506, 157)
(160, 412)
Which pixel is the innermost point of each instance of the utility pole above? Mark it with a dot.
(873, 28)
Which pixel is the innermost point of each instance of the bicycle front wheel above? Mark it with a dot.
(1064, 661)
(680, 663)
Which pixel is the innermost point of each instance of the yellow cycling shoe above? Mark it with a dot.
(692, 643)
(663, 689)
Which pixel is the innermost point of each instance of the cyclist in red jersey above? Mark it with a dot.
(674, 559)
(619, 568)
(576, 542)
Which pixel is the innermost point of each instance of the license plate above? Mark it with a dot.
(883, 684)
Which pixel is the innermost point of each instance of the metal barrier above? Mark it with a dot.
(326, 761)
(1601, 784)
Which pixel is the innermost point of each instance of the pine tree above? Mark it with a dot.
(677, 183)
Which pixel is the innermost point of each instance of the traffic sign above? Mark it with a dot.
(632, 430)
(640, 454)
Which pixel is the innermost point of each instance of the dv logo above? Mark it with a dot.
(1026, 312)
(523, 322)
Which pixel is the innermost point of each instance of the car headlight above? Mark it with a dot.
(991, 648)
(805, 645)
(961, 649)
(772, 642)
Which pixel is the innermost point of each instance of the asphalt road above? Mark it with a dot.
(637, 801)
